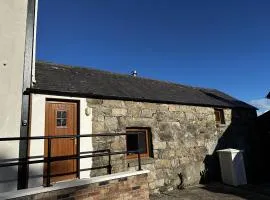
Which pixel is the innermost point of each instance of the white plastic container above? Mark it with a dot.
(232, 167)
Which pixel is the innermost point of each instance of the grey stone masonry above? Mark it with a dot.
(182, 137)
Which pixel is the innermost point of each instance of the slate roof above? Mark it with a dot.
(87, 82)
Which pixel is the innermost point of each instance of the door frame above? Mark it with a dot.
(77, 102)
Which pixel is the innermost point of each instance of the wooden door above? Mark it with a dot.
(61, 119)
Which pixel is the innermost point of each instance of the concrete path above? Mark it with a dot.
(211, 192)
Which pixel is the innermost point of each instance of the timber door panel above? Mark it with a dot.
(61, 119)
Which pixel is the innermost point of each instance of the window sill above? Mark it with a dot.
(144, 161)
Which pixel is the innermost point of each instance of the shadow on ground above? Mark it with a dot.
(211, 192)
(244, 192)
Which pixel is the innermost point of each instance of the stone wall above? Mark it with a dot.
(184, 138)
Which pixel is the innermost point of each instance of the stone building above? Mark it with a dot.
(180, 126)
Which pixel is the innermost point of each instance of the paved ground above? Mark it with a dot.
(214, 192)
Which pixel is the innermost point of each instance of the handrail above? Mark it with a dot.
(63, 136)
(80, 155)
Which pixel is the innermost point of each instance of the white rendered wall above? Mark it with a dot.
(38, 129)
(12, 46)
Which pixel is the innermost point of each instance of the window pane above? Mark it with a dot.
(58, 122)
(217, 115)
(61, 118)
(132, 142)
(134, 138)
(63, 122)
(64, 114)
(58, 114)
(142, 142)
(222, 117)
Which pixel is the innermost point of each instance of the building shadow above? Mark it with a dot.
(8, 176)
(263, 148)
(243, 193)
(241, 134)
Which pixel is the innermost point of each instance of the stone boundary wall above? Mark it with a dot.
(128, 188)
(184, 138)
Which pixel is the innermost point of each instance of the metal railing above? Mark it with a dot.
(49, 159)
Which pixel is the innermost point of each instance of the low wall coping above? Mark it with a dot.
(69, 184)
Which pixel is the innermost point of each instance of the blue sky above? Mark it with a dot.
(215, 44)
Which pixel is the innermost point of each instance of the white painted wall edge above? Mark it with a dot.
(70, 184)
(34, 45)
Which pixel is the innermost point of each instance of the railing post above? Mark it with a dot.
(78, 139)
(110, 165)
(139, 153)
(48, 180)
(139, 161)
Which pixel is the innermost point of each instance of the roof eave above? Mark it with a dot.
(95, 96)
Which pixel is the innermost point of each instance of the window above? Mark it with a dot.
(220, 119)
(136, 137)
(61, 118)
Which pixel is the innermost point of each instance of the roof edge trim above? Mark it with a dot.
(94, 96)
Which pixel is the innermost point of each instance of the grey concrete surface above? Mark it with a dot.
(212, 192)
